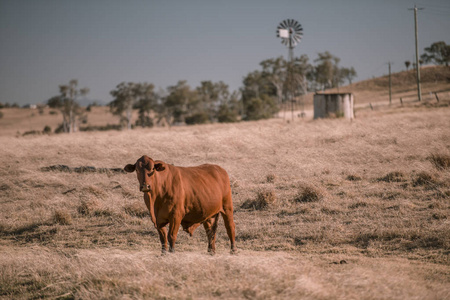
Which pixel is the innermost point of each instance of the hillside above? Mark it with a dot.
(325, 209)
(375, 90)
(404, 85)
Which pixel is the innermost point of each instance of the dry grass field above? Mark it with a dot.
(325, 209)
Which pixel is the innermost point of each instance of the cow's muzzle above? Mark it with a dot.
(144, 188)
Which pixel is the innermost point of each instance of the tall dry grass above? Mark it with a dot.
(352, 210)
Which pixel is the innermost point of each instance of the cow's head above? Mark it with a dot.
(145, 168)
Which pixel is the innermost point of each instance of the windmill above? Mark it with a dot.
(290, 31)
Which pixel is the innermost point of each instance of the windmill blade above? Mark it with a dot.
(283, 33)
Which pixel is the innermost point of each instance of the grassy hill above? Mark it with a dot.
(404, 85)
(324, 209)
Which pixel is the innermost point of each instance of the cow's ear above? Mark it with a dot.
(130, 168)
(159, 167)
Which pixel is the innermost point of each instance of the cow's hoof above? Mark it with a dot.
(234, 251)
(171, 250)
(211, 252)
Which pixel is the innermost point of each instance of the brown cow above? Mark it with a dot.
(187, 197)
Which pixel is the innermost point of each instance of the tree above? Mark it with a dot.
(263, 107)
(258, 97)
(326, 72)
(127, 96)
(256, 87)
(146, 104)
(275, 71)
(348, 74)
(229, 111)
(407, 64)
(301, 68)
(180, 101)
(67, 104)
(438, 53)
(212, 97)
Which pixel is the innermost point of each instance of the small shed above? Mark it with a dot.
(333, 104)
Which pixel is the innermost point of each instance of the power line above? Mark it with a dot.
(439, 10)
(435, 6)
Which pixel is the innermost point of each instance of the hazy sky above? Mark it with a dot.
(45, 43)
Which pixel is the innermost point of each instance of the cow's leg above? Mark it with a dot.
(211, 229)
(162, 237)
(227, 215)
(174, 225)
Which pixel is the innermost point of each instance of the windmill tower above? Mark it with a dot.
(290, 31)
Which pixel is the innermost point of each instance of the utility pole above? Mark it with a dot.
(419, 91)
(390, 84)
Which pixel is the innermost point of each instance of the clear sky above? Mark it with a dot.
(45, 43)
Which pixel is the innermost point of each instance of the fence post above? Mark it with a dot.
(437, 98)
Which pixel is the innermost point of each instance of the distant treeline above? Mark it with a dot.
(263, 93)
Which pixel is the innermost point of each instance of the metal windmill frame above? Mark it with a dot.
(291, 32)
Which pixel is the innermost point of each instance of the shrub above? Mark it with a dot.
(102, 128)
(31, 132)
(47, 129)
(136, 209)
(357, 205)
(198, 118)
(88, 207)
(270, 178)
(393, 177)
(59, 129)
(424, 179)
(226, 114)
(62, 217)
(263, 200)
(353, 177)
(309, 194)
(258, 108)
(440, 161)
